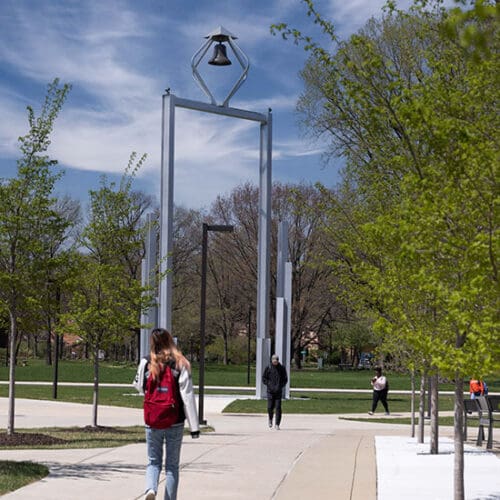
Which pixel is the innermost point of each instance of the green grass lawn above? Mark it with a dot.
(215, 374)
(324, 403)
(220, 375)
(14, 475)
(443, 421)
(112, 396)
(301, 402)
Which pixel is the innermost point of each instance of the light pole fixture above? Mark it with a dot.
(203, 308)
(220, 36)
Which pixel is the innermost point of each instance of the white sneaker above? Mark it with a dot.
(370, 413)
(270, 424)
(150, 495)
(277, 427)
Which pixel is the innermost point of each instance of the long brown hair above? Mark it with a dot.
(164, 350)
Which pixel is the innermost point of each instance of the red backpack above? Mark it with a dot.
(162, 400)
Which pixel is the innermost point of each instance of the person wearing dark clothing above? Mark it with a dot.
(275, 378)
(380, 390)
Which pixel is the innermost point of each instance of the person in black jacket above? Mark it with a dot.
(275, 378)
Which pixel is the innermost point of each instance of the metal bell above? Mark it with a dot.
(220, 56)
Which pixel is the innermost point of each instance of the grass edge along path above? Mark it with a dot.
(15, 475)
(78, 437)
(330, 403)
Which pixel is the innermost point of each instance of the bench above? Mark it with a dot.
(471, 412)
(489, 413)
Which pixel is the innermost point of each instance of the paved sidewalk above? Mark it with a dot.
(243, 459)
(312, 456)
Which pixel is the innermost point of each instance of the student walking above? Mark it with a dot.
(275, 378)
(164, 377)
(380, 389)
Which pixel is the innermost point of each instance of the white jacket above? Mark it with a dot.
(380, 383)
(185, 388)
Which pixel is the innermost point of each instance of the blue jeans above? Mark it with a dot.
(154, 440)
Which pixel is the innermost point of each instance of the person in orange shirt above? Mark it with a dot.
(477, 388)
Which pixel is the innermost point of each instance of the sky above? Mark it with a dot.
(121, 55)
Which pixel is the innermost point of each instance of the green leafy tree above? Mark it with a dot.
(57, 247)
(410, 101)
(27, 215)
(107, 298)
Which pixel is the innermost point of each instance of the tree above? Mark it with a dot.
(186, 277)
(413, 109)
(27, 214)
(313, 309)
(107, 297)
(56, 249)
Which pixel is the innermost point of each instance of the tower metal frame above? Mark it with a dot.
(169, 104)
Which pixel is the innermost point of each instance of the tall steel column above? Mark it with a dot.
(283, 303)
(167, 211)
(263, 270)
(287, 291)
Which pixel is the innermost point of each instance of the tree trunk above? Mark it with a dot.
(297, 358)
(55, 377)
(12, 371)
(18, 344)
(226, 348)
(421, 409)
(434, 415)
(458, 471)
(96, 386)
(137, 350)
(35, 346)
(48, 354)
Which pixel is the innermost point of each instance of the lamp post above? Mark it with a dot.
(203, 307)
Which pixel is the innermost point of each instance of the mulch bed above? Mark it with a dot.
(28, 439)
(34, 439)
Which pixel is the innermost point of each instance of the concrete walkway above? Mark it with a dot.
(311, 457)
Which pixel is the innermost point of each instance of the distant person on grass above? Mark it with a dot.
(164, 377)
(380, 390)
(275, 378)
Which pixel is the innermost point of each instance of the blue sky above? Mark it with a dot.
(120, 55)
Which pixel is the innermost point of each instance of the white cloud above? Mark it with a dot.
(349, 16)
(119, 55)
(276, 103)
(91, 52)
(296, 149)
